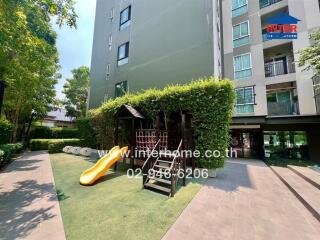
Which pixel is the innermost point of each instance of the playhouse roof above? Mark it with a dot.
(133, 112)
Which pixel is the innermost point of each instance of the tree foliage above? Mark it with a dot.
(28, 56)
(310, 56)
(76, 91)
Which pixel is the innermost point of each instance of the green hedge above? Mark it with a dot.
(86, 132)
(210, 102)
(53, 133)
(5, 131)
(7, 151)
(53, 145)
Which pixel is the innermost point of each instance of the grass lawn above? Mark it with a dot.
(116, 207)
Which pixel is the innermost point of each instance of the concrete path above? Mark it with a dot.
(246, 201)
(29, 208)
(308, 174)
(304, 191)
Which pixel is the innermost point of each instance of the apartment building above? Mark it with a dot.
(141, 44)
(276, 109)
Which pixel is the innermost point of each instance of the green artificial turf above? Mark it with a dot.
(116, 207)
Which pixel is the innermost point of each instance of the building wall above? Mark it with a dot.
(170, 42)
(308, 13)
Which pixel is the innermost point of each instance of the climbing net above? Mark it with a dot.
(147, 139)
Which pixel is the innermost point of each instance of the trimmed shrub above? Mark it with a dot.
(53, 145)
(210, 102)
(7, 151)
(53, 133)
(5, 131)
(86, 132)
(40, 132)
(64, 133)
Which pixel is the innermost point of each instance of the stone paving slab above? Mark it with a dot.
(246, 201)
(308, 174)
(29, 208)
(308, 194)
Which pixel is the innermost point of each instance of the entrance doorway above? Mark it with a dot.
(248, 143)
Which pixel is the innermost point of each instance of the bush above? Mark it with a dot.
(86, 132)
(64, 133)
(7, 151)
(40, 132)
(53, 145)
(209, 101)
(5, 131)
(53, 133)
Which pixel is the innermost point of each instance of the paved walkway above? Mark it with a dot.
(246, 201)
(29, 208)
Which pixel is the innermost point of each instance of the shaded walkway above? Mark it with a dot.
(29, 208)
(246, 201)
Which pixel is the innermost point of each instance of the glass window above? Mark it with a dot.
(123, 54)
(241, 34)
(286, 144)
(239, 7)
(245, 100)
(125, 17)
(121, 89)
(242, 66)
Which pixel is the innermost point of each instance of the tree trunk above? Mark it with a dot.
(16, 121)
(26, 135)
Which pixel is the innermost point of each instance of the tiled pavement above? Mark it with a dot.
(29, 208)
(246, 201)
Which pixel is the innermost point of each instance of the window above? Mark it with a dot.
(110, 42)
(121, 89)
(239, 7)
(112, 14)
(241, 34)
(242, 66)
(123, 54)
(108, 69)
(245, 100)
(125, 17)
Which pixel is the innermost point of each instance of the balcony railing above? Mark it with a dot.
(266, 3)
(282, 108)
(279, 68)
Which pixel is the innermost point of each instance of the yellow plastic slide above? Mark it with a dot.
(91, 175)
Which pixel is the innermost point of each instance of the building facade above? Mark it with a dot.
(150, 44)
(276, 109)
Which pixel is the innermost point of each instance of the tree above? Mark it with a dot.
(310, 56)
(76, 91)
(28, 56)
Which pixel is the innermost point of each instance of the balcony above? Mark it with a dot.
(266, 3)
(279, 67)
(279, 60)
(282, 108)
(282, 99)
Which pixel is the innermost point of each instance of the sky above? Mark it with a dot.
(75, 45)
